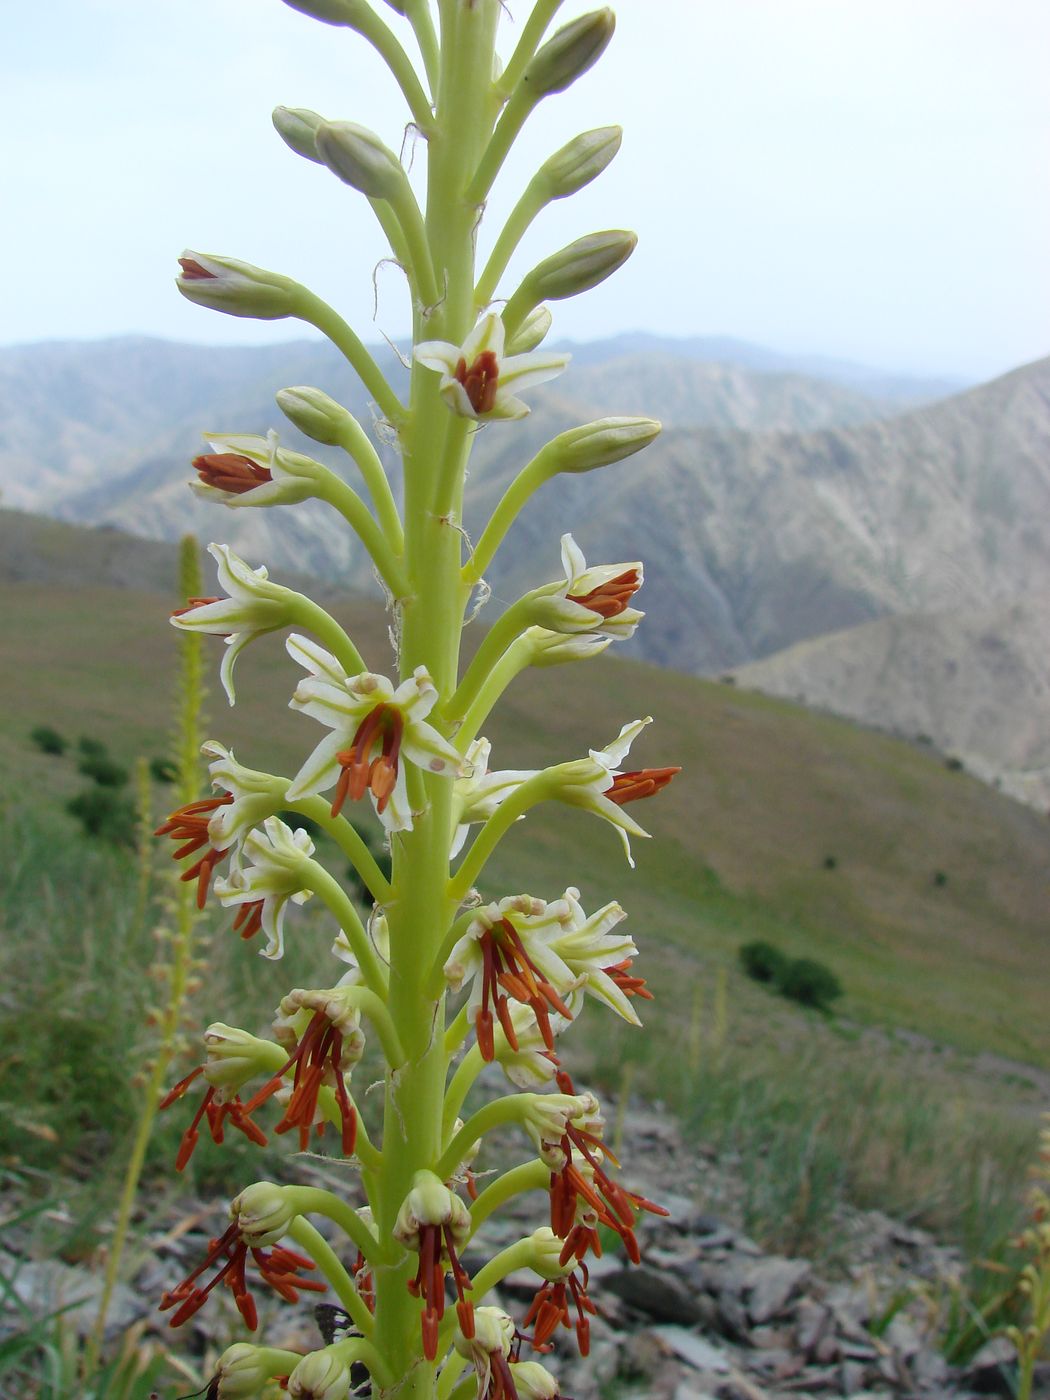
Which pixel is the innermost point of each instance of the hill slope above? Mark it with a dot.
(768, 794)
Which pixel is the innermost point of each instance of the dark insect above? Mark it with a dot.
(335, 1324)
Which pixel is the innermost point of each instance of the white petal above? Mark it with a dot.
(614, 754)
(426, 748)
(438, 354)
(457, 398)
(526, 371)
(234, 646)
(489, 334)
(314, 658)
(320, 770)
(573, 562)
(397, 814)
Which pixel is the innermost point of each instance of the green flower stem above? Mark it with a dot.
(316, 878)
(372, 1006)
(360, 519)
(353, 1349)
(386, 44)
(529, 480)
(312, 1200)
(349, 840)
(357, 444)
(365, 1151)
(532, 791)
(311, 617)
(532, 202)
(321, 1252)
(450, 1374)
(543, 11)
(462, 1081)
(458, 1031)
(530, 1176)
(515, 1256)
(455, 933)
(448, 484)
(395, 234)
(420, 260)
(418, 15)
(419, 912)
(497, 1114)
(515, 114)
(510, 665)
(466, 1389)
(501, 635)
(318, 313)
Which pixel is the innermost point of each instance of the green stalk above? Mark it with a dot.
(357, 444)
(434, 453)
(543, 11)
(530, 1176)
(318, 313)
(321, 1252)
(187, 757)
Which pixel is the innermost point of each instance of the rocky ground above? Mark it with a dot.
(708, 1315)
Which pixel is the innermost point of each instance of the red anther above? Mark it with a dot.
(644, 782)
(193, 272)
(230, 471)
(630, 986)
(192, 604)
(610, 599)
(176, 1093)
(279, 1268)
(361, 772)
(481, 380)
(249, 919)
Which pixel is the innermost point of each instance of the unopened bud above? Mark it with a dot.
(244, 1371)
(554, 648)
(236, 288)
(493, 1334)
(532, 332)
(579, 162)
(234, 1056)
(360, 159)
(533, 1381)
(297, 128)
(263, 1213)
(569, 53)
(313, 413)
(430, 1202)
(600, 443)
(581, 266)
(546, 1255)
(323, 1375)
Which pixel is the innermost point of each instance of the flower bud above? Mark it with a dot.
(297, 128)
(493, 1333)
(236, 288)
(546, 1257)
(569, 53)
(552, 648)
(323, 1375)
(430, 1202)
(545, 1119)
(579, 162)
(234, 1057)
(313, 413)
(579, 267)
(263, 1213)
(532, 332)
(360, 159)
(533, 1381)
(600, 443)
(244, 1371)
(342, 12)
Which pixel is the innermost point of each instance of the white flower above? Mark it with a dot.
(322, 1375)
(529, 1065)
(590, 600)
(478, 380)
(253, 606)
(255, 795)
(275, 875)
(479, 792)
(243, 469)
(373, 725)
(379, 936)
(598, 784)
(593, 953)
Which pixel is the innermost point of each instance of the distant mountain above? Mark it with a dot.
(974, 684)
(776, 508)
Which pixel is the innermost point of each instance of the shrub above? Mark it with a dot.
(762, 962)
(104, 813)
(103, 770)
(809, 983)
(163, 770)
(831, 862)
(48, 740)
(940, 879)
(93, 748)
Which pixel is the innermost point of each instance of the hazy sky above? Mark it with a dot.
(861, 178)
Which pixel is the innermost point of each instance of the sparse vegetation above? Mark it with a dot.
(809, 983)
(48, 740)
(762, 962)
(102, 770)
(162, 770)
(104, 813)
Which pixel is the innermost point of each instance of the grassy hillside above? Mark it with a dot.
(770, 798)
